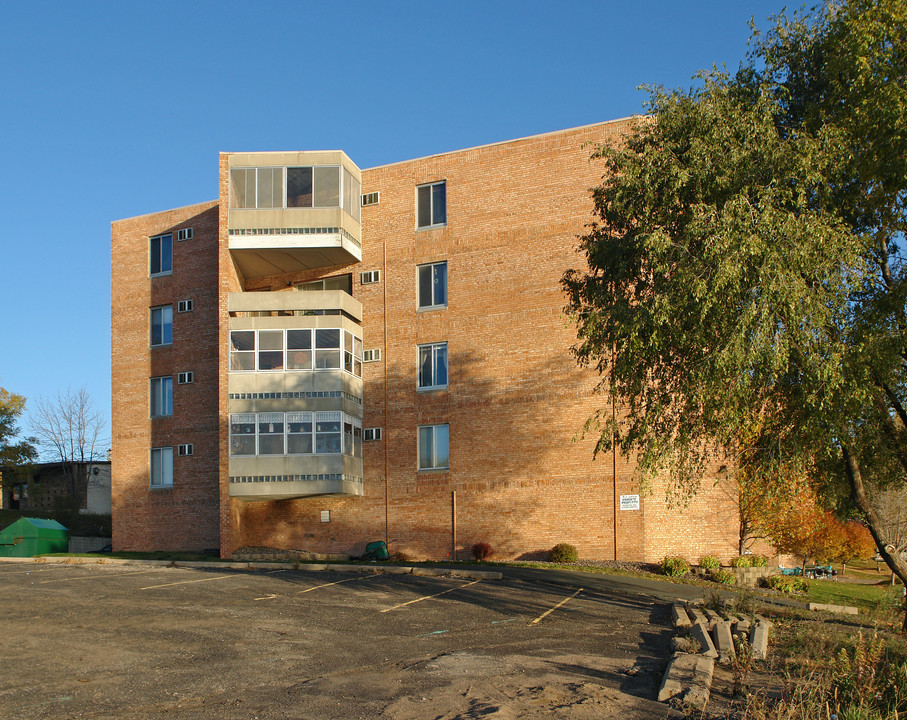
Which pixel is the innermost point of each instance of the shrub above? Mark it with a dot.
(742, 561)
(759, 561)
(564, 553)
(725, 577)
(709, 562)
(674, 567)
(785, 583)
(482, 551)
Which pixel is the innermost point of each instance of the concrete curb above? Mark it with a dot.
(254, 565)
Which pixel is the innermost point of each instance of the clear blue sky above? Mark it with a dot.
(115, 109)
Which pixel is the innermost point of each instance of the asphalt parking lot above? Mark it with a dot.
(134, 641)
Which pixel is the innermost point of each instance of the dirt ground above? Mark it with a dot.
(104, 641)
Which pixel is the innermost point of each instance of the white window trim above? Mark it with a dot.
(163, 272)
(355, 351)
(313, 417)
(184, 234)
(433, 347)
(431, 196)
(157, 384)
(166, 482)
(374, 432)
(433, 265)
(434, 466)
(160, 308)
(184, 306)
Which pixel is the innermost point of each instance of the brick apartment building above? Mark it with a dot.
(327, 356)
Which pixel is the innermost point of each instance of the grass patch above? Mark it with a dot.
(843, 593)
(160, 555)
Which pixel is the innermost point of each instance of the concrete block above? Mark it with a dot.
(724, 642)
(701, 685)
(712, 618)
(743, 626)
(841, 609)
(701, 635)
(684, 644)
(697, 616)
(680, 617)
(759, 640)
(677, 675)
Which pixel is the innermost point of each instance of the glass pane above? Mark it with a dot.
(425, 447)
(270, 187)
(167, 254)
(441, 366)
(423, 203)
(167, 466)
(357, 347)
(299, 339)
(425, 374)
(270, 444)
(327, 442)
(440, 284)
(157, 332)
(341, 282)
(238, 179)
(242, 360)
(327, 187)
(277, 187)
(242, 340)
(167, 395)
(270, 359)
(439, 204)
(242, 445)
(425, 282)
(299, 187)
(327, 338)
(270, 340)
(155, 256)
(441, 455)
(167, 325)
(314, 285)
(357, 367)
(299, 444)
(327, 359)
(348, 362)
(299, 359)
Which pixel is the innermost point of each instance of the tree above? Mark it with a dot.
(13, 451)
(745, 285)
(70, 428)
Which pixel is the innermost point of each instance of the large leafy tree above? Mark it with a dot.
(14, 451)
(745, 283)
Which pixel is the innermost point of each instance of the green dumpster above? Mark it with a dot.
(32, 536)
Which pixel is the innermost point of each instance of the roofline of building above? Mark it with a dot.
(161, 212)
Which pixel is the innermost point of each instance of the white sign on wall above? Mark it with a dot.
(629, 502)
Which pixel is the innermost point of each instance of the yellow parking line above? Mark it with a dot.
(548, 612)
(428, 597)
(337, 582)
(186, 582)
(92, 577)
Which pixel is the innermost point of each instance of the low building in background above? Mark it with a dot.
(46, 487)
(326, 356)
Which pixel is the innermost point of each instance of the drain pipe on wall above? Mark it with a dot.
(386, 436)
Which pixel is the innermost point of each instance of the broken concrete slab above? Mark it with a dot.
(700, 687)
(841, 609)
(759, 639)
(700, 634)
(724, 642)
(712, 618)
(690, 674)
(680, 617)
(696, 615)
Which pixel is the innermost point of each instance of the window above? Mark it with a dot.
(270, 350)
(371, 434)
(295, 350)
(339, 282)
(433, 285)
(162, 467)
(184, 234)
(431, 204)
(161, 396)
(372, 276)
(433, 447)
(162, 325)
(295, 433)
(184, 450)
(162, 255)
(371, 355)
(372, 198)
(184, 306)
(184, 378)
(433, 366)
(295, 187)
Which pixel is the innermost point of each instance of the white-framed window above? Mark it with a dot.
(295, 187)
(185, 450)
(431, 204)
(162, 396)
(367, 278)
(162, 467)
(371, 434)
(302, 349)
(161, 255)
(372, 198)
(162, 325)
(184, 234)
(295, 433)
(433, 447)
(433, 366)
(373, 355)
(432, 281)
(184, 306)
(184, 378)
(338, 282)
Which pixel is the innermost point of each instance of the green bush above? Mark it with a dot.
(742, 561)
(709, 562)
(674, 567)
(725, 577)
(564, 553)
(760, 561)
(785, 583)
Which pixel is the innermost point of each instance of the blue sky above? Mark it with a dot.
(115, 109)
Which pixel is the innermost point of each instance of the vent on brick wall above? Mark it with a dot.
(184, 378)
(369, 434)
(184, 450)
(372, 198)
(184, 306)
(371, 355)
(367, 278)
(184, 234)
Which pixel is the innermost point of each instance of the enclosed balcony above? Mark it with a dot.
(290, 212)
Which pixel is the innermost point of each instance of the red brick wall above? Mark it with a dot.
(184, 516)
